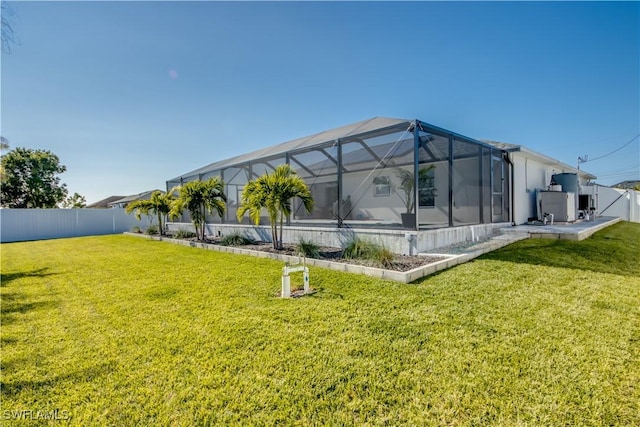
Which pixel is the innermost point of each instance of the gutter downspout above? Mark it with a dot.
(512, 202)
(416, 176)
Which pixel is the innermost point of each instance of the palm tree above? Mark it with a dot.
(200, 197)
(159, 204)
(274, 193)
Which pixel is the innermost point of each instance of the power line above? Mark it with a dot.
(612, 175)
(607, 175)
(614, 151)
(627, 169)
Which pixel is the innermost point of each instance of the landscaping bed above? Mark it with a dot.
(326, 253)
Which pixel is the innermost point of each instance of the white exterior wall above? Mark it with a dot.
(365, 205)
(531, 175)
(466, 193)
(439, 214)
(389, 208)
(17, 225)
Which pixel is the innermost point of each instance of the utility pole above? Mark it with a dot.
(582, 159)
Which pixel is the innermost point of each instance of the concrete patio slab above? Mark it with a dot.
(568, 231)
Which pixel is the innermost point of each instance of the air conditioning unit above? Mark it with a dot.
(559, 203)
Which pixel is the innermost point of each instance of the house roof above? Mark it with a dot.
(104, 203)
(354, 129)
(537, 156)
(140, 196)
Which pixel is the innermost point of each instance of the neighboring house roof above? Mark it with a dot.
(104, 203)
(537, 156)
(627, 185)
(128, 199)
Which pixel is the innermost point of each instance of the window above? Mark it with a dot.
(381, 186)
(427, 187)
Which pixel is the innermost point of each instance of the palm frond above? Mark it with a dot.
(274, 192)
(199, 197)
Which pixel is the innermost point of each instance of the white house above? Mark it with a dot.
(403, 178)
(533, 172)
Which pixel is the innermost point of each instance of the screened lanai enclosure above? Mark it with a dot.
(380, 173)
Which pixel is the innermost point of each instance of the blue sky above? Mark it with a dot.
(130, 94)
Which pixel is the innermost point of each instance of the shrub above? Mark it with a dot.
(236, 239)
(364, 249)
(136, 229)
(152, 229)
(384, 257)
(308, 248)
(183, 233)
(359, 249)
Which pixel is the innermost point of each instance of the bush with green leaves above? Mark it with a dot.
(358, 248)
(136, 229)
(384, 257)
(365, 249)
(308, 248)
(183, 233)
(236, 239)
(152, 229)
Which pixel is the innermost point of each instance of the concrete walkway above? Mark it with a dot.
(575, 231)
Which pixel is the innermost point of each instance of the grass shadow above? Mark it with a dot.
(614, 250)
(14, 364)
(6, 278)
(14, 303)
(10, 389)
(7, 340)
(10, 309)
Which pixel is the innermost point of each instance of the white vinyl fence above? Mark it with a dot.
(17, 225)
(615, 202)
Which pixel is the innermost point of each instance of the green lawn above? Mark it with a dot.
(117, 330)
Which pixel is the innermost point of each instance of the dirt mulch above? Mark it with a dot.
(399, 263)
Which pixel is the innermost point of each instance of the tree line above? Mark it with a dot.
(29, 179)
